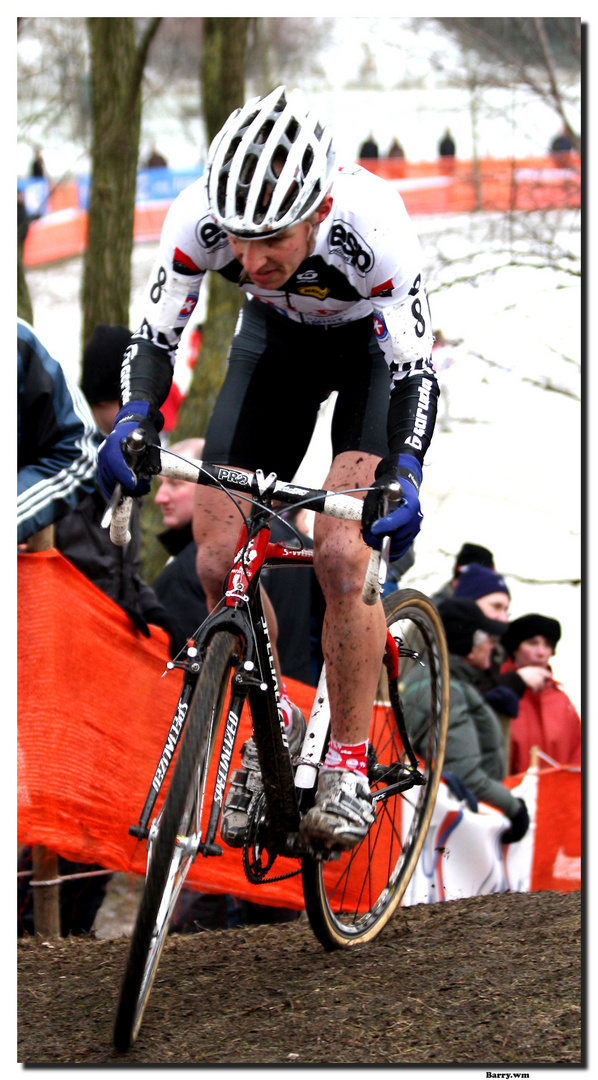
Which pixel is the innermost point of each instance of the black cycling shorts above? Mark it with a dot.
(279, 373)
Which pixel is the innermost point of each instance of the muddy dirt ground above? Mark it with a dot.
(491, 980)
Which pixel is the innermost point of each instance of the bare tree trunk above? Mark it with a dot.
(117, 65)
(223, 89)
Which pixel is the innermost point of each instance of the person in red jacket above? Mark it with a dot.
(546, 718)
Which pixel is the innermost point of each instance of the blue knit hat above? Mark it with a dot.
(475, 581)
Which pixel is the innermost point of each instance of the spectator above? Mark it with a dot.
(561, 147)
(156, 160)
(178, 587)
(502, 690)
(56, 454)
(80, 535)
(369, 148)
(446, 153)
(486, 587)
(56, 463)
(446, 146)
(469, 553)
(37, 169)
(547, 718)
(474, 748)
(395, 150)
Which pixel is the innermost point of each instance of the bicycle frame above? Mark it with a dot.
(241, 613)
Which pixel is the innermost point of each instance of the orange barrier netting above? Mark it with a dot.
(93, 715)
(94, 712)
(426, 188)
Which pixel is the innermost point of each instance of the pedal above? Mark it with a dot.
(139, 832)
(209, 849)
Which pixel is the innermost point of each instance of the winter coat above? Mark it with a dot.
(56, 453)
(115, 570)
(178, 587)
(546, 719)
(474, 747)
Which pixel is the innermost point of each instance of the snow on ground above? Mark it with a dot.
(506, 474)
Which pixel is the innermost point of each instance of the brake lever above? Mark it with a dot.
(391, 498)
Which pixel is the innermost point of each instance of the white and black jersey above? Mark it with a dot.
(366, 264)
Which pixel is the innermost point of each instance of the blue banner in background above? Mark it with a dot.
(153, 185)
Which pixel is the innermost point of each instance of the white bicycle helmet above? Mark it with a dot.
(270, 165)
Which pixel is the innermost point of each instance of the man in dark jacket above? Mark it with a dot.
(56, 455)
(79, 535)
(474, 748)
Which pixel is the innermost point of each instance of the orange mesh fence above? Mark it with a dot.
(426, 188)
(93, 715)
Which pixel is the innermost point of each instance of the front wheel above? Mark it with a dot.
(174, 835)
(350, 900)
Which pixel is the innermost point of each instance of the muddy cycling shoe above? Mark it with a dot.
(342, 812)
(246, 782)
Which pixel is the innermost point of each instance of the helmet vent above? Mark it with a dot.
(262, 135)
(248, 168)
(288, 201)
(307, 160)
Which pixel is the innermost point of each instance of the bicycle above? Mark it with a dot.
(350, 896)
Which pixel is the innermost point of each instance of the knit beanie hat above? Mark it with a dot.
(470, 553)
(102, 361)
(527, 627)
(461, 618)
(475, 581)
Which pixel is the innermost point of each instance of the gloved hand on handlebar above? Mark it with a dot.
(404, 523)
(113, 469)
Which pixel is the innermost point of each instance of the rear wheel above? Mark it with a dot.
(174, 837)
(349, 900)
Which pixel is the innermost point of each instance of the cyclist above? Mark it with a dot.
(331, 269)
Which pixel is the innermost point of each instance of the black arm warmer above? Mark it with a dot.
(146, 374)
(412, 415)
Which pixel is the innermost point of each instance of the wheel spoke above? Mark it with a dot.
(351, 899)
(174, 838)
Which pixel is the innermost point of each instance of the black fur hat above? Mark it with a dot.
(461, 619)
(102, 361)
(527, 627)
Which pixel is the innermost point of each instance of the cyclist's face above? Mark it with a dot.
(535, 652)
(271, 260)
(495, 606)
(175, 499)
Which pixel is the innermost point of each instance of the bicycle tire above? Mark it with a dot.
(168, 863)
(350, 900)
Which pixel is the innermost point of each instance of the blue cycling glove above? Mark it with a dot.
(404, 523)
(112, 467)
